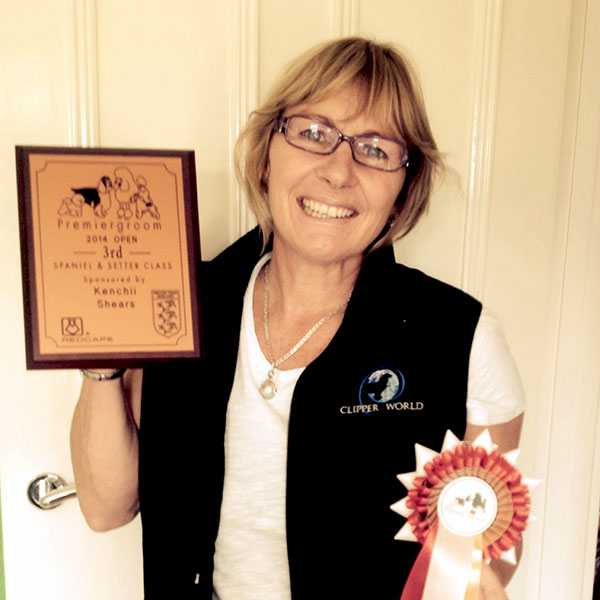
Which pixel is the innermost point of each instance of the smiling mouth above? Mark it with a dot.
(324, 211)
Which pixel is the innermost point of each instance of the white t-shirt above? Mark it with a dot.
(251, 560)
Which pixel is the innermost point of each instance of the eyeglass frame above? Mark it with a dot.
(280, 126)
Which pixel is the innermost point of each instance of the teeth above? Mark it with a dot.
(324, 211)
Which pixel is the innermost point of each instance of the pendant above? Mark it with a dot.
(268, 388)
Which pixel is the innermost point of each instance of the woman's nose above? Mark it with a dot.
(339, 168)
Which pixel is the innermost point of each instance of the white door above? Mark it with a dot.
(513, 100)
(81, 72)
(46, 554)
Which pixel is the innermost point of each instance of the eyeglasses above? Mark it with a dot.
(370, 150)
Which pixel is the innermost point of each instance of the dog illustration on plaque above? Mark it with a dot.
(133, 195)
(98, 198)
(129, 193)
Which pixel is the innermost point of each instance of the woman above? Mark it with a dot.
(266, 470)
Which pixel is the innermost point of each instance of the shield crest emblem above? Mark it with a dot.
(166, 312)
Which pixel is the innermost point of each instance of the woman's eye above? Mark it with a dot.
(314, 134)
(372, 151)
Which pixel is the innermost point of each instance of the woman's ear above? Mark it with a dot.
(264, 180)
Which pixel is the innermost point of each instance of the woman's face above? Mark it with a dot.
(329, 208)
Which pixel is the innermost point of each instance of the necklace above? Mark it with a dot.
(268, 388)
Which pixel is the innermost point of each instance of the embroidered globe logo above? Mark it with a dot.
(383, 385)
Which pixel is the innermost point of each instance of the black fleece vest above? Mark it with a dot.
(395, 374)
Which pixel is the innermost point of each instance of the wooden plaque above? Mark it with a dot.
(109, 249)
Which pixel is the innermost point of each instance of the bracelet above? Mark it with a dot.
(102, 376)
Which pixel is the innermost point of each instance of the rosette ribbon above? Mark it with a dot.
(465, 504)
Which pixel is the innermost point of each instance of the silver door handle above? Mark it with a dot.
(48, 491)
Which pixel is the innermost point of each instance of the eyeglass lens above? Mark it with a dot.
(317, 137)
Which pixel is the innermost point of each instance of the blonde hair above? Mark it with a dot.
(393, 93)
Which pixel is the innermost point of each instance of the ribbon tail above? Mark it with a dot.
(450, 567)
(415, 583)
(472, 592)
(451, 578)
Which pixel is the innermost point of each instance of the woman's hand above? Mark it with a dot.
(490, 587)
(506, 437)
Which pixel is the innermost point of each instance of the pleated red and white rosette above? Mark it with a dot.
(465, 504)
